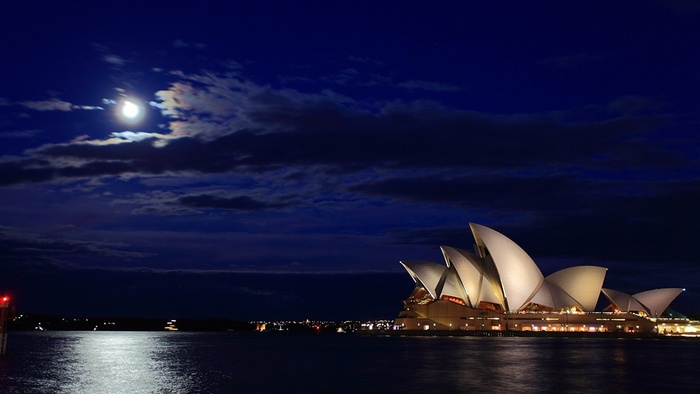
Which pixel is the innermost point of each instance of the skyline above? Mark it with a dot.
(287, 157)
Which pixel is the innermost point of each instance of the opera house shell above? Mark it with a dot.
(498, 287)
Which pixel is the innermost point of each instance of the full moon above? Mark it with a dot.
(130, 110)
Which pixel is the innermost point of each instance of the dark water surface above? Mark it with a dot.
(177, 362)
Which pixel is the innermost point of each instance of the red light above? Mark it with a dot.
(5, 299)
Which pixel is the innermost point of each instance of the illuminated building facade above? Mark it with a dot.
(499, 287)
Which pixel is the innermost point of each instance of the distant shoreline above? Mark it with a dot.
(496, 334)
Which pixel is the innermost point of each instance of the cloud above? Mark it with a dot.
(495, 191)
(575, 60)
(592, 219)
(131, 136)
(109, 57)
(536, 175)
(23, 248)
(25, 170)
(238, 125)
(453, 236)
(192, 200)
(114, 60)
(353, 77)
(236, 203)
(633, 105)
(187, 44)
(55, 104)
(429, 86)
(20, 133)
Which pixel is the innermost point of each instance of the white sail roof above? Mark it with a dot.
(543, 296)
(623, 301)
(468, 269)
(490, 292)
(519, 275)
(656, 301)
(450, 285)
(502, 273)
(582, 283)
(426, 274)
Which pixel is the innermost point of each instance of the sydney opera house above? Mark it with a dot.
(498, 287)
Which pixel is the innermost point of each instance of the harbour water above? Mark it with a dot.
(181, 362)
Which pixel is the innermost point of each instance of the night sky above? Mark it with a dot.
(286, 157)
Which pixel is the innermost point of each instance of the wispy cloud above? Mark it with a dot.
(31, 133)
(114, 60)
(188, 44)
(429, 86)
(235, 203)
(239, 125)
(573, 60)
(109, 57)
(55, 104)
(25, 247)
(539, 168)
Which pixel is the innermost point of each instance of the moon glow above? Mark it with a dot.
(130, 110)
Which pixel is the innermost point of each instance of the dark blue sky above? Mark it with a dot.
(290, 155)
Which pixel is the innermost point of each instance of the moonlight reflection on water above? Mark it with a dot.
(181, 362)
